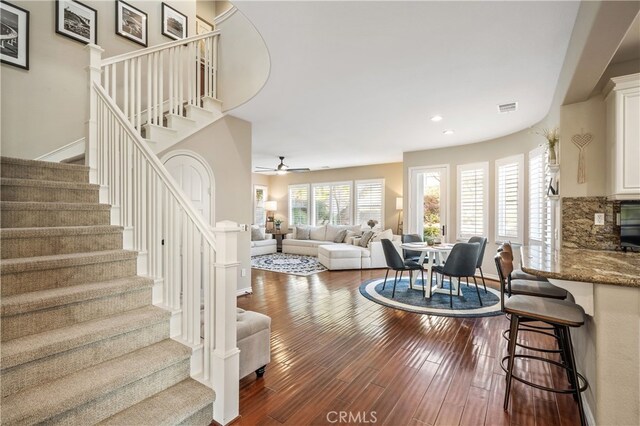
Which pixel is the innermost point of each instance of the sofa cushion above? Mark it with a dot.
(339, 251)
(264, 243)
(317, 232)
(301, 233)
(387, 234)
(364, 241)
(304, 243)
(257, 233)
(339, 238)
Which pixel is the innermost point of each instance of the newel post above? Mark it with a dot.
(225, 359)
(91, 125)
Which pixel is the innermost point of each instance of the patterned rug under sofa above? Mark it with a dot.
(293, 264)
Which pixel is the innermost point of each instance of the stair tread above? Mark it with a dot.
(38, 163)
(39, 403)
(22, 264)
(48, 184)
(45, 205)
(57, 231)
(44, 299)
(37, 346)
(169, 407)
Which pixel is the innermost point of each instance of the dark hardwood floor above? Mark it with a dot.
(335, 353)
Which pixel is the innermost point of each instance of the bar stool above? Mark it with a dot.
(519, 274)
(562, 315)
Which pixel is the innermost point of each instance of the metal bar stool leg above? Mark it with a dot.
(576, 381)
(511, 348)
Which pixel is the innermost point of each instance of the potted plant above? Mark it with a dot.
(553, 138)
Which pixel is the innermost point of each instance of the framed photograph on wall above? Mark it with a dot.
(14, 29)
(174, 23)
(131, 23)
(202, 26)
(77, 21)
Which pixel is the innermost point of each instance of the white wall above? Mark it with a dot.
(226, 146)
(44, 107)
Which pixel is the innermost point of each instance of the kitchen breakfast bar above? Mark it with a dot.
(607, 285)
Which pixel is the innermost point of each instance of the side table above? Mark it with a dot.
(279, 236)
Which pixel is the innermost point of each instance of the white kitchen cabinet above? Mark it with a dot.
(622, 97)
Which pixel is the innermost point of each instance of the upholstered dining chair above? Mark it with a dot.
(483, 245)
(395, 262)
(411, 254)
(461, 263)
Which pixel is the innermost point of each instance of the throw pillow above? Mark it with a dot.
(317, 232)
(257, 234)
(364, 241)
(340, 236)
(302, 233)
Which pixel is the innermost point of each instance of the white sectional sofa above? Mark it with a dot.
(349, 256)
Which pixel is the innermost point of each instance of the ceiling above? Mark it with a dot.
(355, 83)
(630, 46)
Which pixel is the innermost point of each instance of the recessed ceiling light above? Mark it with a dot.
(436, 118)
(448, 132)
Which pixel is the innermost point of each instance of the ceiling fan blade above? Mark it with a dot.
(299, 170)
(266, 168)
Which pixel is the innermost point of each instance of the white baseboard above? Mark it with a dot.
(244, 291)
(70, 150)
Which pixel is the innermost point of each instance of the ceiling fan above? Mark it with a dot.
(282, 168)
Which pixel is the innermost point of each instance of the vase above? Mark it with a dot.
(552, 155)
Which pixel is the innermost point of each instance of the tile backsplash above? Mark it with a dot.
(578, 228)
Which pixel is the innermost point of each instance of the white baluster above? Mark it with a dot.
(214, 63)
(171, 95)
(139, 94)
(198, 73)
(125, 93)
(114, 87)
(161, 89)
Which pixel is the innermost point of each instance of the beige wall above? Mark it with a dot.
(44, 107)
(226, 146)
(391, 173)
(579, 118)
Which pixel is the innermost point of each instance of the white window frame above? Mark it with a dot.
(484, 166)
(290, 204)
(354, 197)
(331, 185)
(262, 222)
(519, 159)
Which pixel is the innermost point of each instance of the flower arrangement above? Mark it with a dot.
(277, 222)
(372, 223)
(553, 138)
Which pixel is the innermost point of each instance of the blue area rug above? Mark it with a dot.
(411, 300)
(293, 264)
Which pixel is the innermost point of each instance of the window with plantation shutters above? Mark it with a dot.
(473, 201)
(537, 199)
(369, 201)
(298, 205)
(331, 203)
(509, 199)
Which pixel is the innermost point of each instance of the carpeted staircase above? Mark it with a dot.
(81, 341)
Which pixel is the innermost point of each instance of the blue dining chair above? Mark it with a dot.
(395, 262)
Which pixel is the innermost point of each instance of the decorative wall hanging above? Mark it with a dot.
(581, 141)
(14, 49)
(174, 23)
(76, 21)
(131, 23)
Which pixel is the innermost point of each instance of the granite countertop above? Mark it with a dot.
(595, 266)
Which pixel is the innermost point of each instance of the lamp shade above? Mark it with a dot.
(398, 203)
(271, 206)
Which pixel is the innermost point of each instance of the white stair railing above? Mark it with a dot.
(148, 83)
(191, 264)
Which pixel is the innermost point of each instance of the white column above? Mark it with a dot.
(91, 124)
(225, 360)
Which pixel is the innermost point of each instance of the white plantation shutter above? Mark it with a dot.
(332, 203)
(298, 205)
(472, 200)
(369, 201)
(509, 199)
(537, 199)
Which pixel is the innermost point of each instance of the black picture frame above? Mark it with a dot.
(15, 19)
(175, 25)
(77, 21)
(132, 23)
